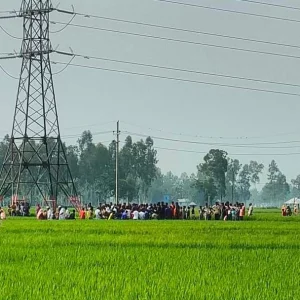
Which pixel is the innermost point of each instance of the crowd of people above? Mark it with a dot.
(60, 213)
(20, 209)
(164, 211)
(160, 211)
(286, 210)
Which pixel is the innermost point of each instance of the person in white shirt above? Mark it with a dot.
(98, 213)
(141, 215)
(49, 213)
(62, 214)
(250, 210)
(135, 215)
(67, 214)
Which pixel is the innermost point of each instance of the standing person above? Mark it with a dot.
(295, 209)
(22, 209)
(172, 208)
(233, 213)
(49, 213)
(57, 213)
(82, 214)
(2, 214)
(40, 215)
(242, 212)
(177, 211)
(237, 208)
(72, 215)
(62, 213)
(67, 213)
(188, 213)
(283, 210)
(135, 214)
(250, 210)
(193, 213)
(217, 211)
(223, 211)
(38, 207)
(201, 213)
(207, 212)
(98, 213)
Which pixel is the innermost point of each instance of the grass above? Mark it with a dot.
(151, 259)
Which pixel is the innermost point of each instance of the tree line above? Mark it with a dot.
(217, 177)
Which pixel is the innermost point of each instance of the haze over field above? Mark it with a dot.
(89, 98)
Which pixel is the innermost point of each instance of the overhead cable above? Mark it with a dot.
(183, 30)
(181, 79)
(231, 154)
(228, 10)
(209, 137)
(249, 145)
(270, 4)
(178, 69)
(9, 75)
(150, 36)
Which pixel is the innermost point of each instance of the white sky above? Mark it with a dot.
(89, 98)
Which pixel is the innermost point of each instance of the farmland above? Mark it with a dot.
(255, 259)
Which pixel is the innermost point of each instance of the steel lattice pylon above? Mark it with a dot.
(36, 158)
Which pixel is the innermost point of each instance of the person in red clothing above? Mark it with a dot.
(242, 211)
(82, 213)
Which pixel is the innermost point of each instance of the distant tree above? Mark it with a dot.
(277, 189)
(233, 170)
(85, 141)
(247, 176)
(296, 187)
(212, 173)
(4, 144)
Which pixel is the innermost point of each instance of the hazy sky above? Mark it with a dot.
(89, 98)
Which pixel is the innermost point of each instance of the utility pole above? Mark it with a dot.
(36, 157)
(232, 186)
(117, 162)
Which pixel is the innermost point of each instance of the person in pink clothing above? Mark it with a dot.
(242, 211)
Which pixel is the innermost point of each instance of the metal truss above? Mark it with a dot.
(36, 158)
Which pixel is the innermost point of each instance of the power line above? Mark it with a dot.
(9, 75)
(208, 137)
(10, 35)
(249, 145)
(91, 125)
(64, 27)
(179, 69)
(179, 40)
(64, 68)
(181, 79)
(81, 126)
(270, 4)
(182, 29)
(232, 154)
(70, 136)
(228, 10)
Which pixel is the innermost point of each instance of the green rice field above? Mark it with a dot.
(89, 259)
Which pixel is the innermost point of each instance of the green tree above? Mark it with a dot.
(247, 176)
(295, 188)
(277, 189)
(212, 174)
(233, 170)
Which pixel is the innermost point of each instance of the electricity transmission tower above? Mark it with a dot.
(36, 159)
